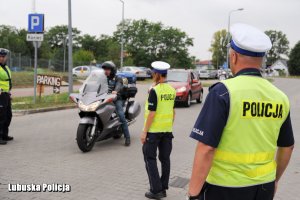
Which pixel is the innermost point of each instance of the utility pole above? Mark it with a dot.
(122, 35)
(65, 44)
(35, 44)
(70, 48)
(228, 33)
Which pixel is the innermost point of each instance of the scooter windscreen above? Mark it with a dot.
(95, 83)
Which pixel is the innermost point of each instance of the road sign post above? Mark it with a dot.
(35, 44)
(35, 35)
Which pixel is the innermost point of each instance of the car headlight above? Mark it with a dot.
(182, 89)
(89, 108)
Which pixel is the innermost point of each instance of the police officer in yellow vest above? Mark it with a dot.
(244, 129)
(5, 100)
(157, 132)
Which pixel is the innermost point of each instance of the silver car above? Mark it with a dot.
(204, 74)
(84, 71)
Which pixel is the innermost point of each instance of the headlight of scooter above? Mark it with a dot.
(89, 108)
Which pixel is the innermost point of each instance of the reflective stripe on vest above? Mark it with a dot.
(5, 78)
(245, 154)
(242, 158)
(163, 119)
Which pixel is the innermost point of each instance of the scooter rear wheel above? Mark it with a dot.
(84, 139)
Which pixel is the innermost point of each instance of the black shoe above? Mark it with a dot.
(151, 195)
(164, 192)
(2, 142)
(8, 138)
(127, 142)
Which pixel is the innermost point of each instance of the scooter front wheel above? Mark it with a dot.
(85, 139)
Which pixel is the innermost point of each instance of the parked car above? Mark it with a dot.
(204, 74)
(188, 87)
(148, 71)
(84, 71)
(130, 76)
(213, 74)
(208, 74)
(140, 74)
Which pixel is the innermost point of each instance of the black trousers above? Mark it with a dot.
(163, 143)
(258, 192)
(5, 114)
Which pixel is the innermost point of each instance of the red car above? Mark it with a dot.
(188, 87)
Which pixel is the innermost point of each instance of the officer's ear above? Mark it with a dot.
(233, 57)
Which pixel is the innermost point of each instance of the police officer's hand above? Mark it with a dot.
(143, 137)
(114, 92)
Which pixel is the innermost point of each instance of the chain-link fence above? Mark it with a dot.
(17, 62)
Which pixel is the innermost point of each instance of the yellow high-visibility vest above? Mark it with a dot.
(5, 79)
(245, 155)
(163, 120)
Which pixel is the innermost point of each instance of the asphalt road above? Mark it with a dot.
(45, 151)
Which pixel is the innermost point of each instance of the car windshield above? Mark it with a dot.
(96, 82)
(177, 76)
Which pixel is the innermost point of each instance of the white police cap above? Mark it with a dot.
(248, 40)
(160, 67)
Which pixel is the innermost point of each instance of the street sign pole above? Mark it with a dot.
(35, 44)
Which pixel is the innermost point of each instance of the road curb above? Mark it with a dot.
(41, 110)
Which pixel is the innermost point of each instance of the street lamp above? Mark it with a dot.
(65, 41)
(228, 32)
(122, 35)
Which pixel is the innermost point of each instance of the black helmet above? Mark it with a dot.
(110, 65)
(3, 52)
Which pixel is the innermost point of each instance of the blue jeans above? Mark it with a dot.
(119, 108)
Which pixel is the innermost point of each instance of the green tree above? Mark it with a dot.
(108, 49)
(294, 61)
(280, 46)
(90, 43)
(147, 41)
(83, 57)
(14, 40)
(56, 36)
(219, 48)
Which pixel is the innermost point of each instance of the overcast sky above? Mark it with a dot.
(199, 18)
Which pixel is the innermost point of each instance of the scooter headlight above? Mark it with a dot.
(89, 108)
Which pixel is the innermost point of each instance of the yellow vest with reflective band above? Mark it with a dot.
(4, 79)
(245, 154)
(163, 120)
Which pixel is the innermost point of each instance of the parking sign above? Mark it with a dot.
(36, 23)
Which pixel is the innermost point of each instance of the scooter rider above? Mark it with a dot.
(115, 86)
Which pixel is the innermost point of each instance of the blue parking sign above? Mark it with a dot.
(36, 23)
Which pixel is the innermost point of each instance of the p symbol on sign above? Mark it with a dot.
(35, 22)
